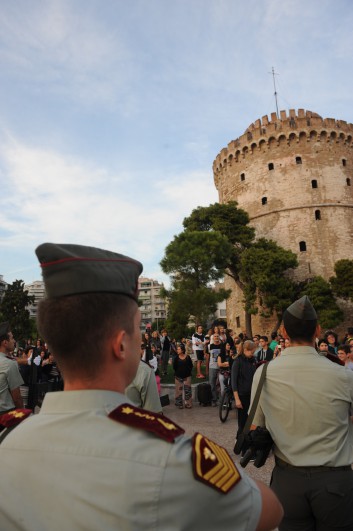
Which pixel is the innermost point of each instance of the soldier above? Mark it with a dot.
(10, 377)
(305, 404)
(93, 460)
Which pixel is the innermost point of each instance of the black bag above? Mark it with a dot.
(255, 444)
(204, 394)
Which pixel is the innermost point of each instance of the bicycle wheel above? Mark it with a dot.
(225, 405)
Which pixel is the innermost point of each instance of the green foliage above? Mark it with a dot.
(198, 256)
(14, 309)
(231, 222)
(342, 283)
(263, 272)
(321, 295)
(188, 300)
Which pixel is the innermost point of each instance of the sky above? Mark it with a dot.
(113, 111)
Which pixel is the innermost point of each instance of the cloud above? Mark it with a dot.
(54, 197)
(69, 52)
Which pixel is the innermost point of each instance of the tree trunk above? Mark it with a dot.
(248, 325)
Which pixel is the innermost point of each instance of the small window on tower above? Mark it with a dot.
(317, 214)
(242, 176)
(344, 162)
(348, 181)
(264, 200)
(238, 321)
(302, 246)
(298, 160)
(271, 166)
(314, 183)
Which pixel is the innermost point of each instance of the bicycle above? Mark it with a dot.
(226, 402)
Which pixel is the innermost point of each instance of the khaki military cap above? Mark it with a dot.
(70, 269)
(303, 309)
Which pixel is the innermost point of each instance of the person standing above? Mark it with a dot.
(305, 404)
(97, 461)
(182, 366)
(198, 345)
(165, 346)
(217, 348)
(243, 370)
(265, 353)
(10, 377)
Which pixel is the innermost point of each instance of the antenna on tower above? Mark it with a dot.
(274, 85)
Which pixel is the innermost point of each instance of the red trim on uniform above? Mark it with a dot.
(62, 260)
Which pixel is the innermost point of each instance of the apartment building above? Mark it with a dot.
(152, 304)
(3, 286)
(36, 289)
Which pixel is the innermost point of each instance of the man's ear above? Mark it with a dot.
(119, 345)
(284, 332)
(317, 331)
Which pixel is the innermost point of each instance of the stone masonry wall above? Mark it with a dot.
(294, 177)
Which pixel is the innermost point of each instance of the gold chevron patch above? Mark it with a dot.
(212, 464)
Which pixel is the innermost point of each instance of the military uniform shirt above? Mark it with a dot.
(71, 467)
(305, 404)
(143, 389)
(10, 378)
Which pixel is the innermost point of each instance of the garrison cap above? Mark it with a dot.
(70, 269)
(4, 328)
(303, 309)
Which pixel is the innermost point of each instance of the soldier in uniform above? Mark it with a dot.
(92, 459)
(305, 404)
(10, 378)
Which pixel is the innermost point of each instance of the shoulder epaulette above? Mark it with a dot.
(14, 417)
(147, 420)
(213, 465)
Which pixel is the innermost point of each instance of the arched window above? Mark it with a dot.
(314, 183)
(271, 166)
(242, 176)
(298, 160)
(264, 200)
(302, 247)
(317, 214)
(344, 162)
(348, 181)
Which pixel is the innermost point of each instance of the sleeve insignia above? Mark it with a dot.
(147, 420)
(14, 417)
(213, 465)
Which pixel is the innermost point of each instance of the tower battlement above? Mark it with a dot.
(289, 128)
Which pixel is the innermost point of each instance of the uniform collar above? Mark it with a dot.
(305, 349)
(83, 400)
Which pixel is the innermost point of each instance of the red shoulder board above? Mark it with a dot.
(147, 420)
(213, 465)
(14, 417)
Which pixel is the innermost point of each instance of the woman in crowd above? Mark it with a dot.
(146, 340)
(243, 371)
(332, 341)
(182, 366)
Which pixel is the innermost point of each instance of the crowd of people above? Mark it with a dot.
(221, 357)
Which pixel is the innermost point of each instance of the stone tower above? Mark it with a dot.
(294, 177)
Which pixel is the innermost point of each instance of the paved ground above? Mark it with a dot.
(206, 421)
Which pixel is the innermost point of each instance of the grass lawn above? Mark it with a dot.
(169, 379)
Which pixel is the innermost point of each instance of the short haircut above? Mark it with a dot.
(274, 335)
(322, 341)
(265, 338)
(345, 348)
(77, 327)
(299, 329)
(249, 345)
(4, 337)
